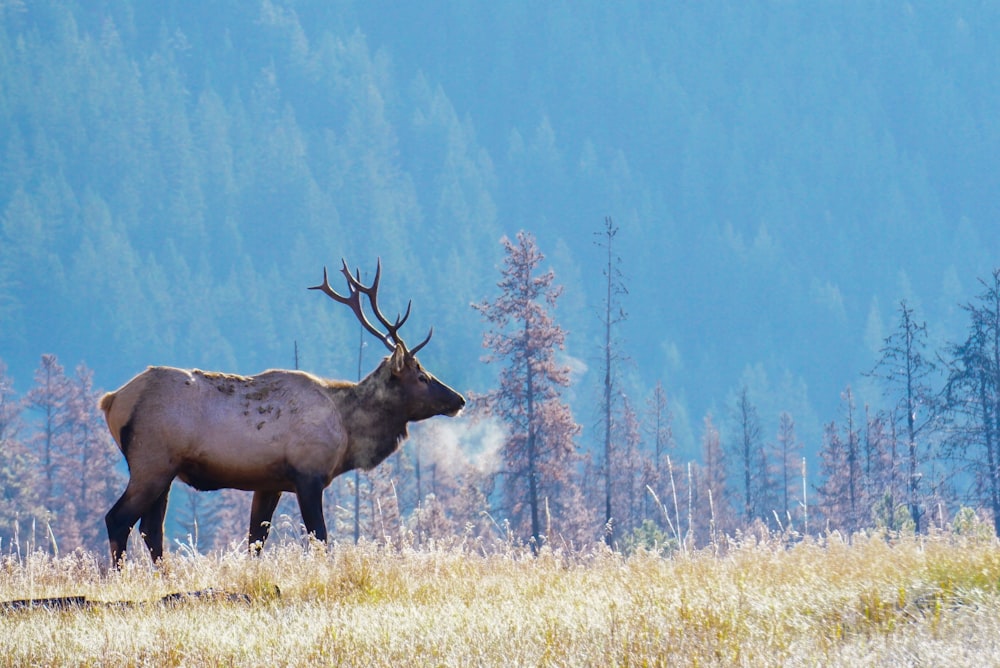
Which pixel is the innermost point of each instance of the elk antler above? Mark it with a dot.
(355, 288)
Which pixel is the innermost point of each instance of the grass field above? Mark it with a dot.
(908, 601)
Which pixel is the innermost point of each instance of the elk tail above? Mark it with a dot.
(106, 402)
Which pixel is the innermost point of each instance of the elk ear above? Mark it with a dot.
(398, 360)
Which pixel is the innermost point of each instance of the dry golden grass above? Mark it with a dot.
(912, 601)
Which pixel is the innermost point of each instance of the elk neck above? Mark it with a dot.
(374, 418)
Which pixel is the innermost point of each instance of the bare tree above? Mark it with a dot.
(612, 314)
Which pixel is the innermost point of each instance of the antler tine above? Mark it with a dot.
(353, 300)
(325, 287)
(355, 289)
(423, 343)
(401, 320)
(372, 292)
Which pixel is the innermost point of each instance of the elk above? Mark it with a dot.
(278, 431)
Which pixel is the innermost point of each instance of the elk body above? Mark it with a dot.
(278, 431)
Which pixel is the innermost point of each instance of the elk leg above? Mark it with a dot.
(119, 521)
(261, 512)
(134, 502)
(309, 491)
(151, 525)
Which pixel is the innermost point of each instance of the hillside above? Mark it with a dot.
(177, 173)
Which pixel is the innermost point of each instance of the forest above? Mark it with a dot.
(931, 460)
(763, 237)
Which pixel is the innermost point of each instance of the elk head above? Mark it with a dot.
(421, 394)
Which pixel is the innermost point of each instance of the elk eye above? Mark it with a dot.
(423, 378)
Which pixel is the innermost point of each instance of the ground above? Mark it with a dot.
(873, 600)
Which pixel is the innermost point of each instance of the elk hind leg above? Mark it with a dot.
(261, 512)
(151, 525)
(135, 502)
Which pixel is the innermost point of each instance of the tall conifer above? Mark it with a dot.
(539, 456)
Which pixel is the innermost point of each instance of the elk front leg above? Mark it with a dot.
(261, 511)
(309, 490)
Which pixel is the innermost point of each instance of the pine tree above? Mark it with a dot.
(889, 508)
(710, 498)
(628, 471)
(78, 479)
(905, 369)
(751, 458)
(19, 503)
(231, 512)
(972, 396)
(49, 398)
(660, 439)
(188, 510)
(832, 496)
(386, 514)
(877, 461)
(432, 520)
(856, 502)
(88, 464)
(539, 456)
(788, 466)
(456, 474)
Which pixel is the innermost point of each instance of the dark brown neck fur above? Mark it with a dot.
(374, 425)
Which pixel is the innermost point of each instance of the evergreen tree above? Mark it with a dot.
(88, 473)
(432, 519)
(855, 486)
(710, 497)
(788, 456)
(196, 516)
(231, 513)
(215, 520)
(455, 467)
(972, 397)
(905, 369)
(628, 472)
(832, 501)
(658, 423)
(49, 399)
(751, 459)
(19, 503)
(384, 508)
(77, 477)
(879, 465)
(889, 506)
(539, 456)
